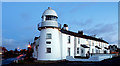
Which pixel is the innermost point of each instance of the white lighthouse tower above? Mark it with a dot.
(49, 44)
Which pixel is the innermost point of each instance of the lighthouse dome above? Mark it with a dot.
(50, 12)
(49, 19)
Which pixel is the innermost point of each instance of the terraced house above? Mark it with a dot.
(56, 42)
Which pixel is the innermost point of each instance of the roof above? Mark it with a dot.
(106, 48)
(36, 38)
(49, 11)
(84, 46)
(97, 47)
(82, 36)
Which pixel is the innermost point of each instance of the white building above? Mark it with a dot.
(55, 43)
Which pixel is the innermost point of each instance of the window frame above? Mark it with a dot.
(92, 50)
(47, 36)
(48, 17)
(48, 42)
(82, 51)
(77, 50)
(48, 50)
(78, 40)
(69, 52)
(69, 39)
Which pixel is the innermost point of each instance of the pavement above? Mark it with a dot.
(94, 58)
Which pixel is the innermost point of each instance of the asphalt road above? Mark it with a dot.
(111, 62)
(11, 60)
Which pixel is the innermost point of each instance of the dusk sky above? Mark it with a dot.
(19, 20)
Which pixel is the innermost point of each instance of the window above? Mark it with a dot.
(81, 51)
(49, 36)
(68, 51)
(92, 50)
(93, 43)
(48, 50)
(48, 42)
(37, 47)
(68, 39)
(77, 50)
(97, 51)
(78, 40)
(51, 18)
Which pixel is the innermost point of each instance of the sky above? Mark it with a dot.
(20, 19)
(60, 0)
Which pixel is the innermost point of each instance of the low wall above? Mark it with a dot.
(98, 57)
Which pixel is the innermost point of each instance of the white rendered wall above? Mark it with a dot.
(66, 45)
(35, 53)
(78, 46)
(55, 45)
(59, 45)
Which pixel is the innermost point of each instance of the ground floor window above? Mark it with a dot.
(81, 51)
(48, 50)
(92, 50)
(68, 51)
(97, 51)
(77, 50)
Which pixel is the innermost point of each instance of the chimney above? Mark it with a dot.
(65, 27)
(49, 7)
(94, 35)
(80, 32)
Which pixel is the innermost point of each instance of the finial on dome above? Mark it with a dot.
(49, 7)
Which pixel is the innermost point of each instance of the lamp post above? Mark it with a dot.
(29, 51)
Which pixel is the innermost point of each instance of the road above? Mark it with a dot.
(11, 60)
(108, 62)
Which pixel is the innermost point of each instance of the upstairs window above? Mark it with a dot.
(92, 43)
(68, 39)
(99, 44)
(78, 40)
(48, 50)
(49, 36)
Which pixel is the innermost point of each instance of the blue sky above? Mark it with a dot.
(60, 0)
(19, 20)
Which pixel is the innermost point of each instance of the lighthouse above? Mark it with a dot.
(49, 44)
(56, 43)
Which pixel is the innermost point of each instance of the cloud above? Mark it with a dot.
(9, 43)
(109, 32)
(75, 25)
(12, 43)
(82, 7)
(102, 29)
